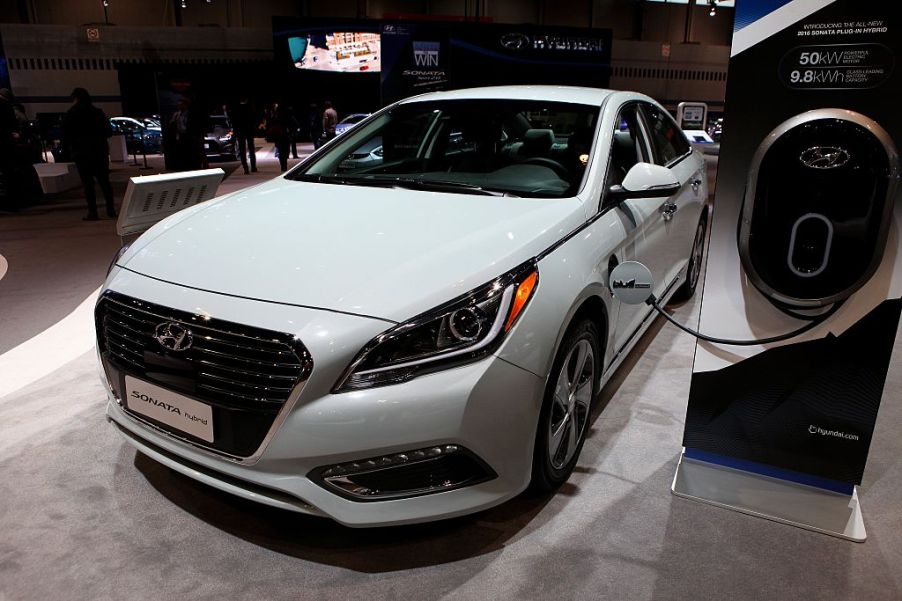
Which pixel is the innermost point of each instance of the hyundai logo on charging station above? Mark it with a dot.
(824, 157)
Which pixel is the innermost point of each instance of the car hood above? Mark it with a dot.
(379, 252)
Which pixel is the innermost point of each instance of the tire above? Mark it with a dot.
(555, 455)
(694, 266)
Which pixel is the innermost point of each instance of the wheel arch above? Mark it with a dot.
(590, 304)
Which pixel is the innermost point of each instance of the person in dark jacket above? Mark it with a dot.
(9, 135)
(86, 130)
(185, 130)
(277, 131)
(244, 124)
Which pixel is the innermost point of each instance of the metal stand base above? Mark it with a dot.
(778, 500)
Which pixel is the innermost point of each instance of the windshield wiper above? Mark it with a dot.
(445, 186)
(352, 180)
(410, 183)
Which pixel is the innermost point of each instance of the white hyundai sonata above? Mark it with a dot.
(413, 336)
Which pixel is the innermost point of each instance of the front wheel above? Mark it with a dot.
(564, 419)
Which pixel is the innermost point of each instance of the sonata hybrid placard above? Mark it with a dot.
(805, 228)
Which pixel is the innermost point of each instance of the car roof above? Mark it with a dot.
(579, 95)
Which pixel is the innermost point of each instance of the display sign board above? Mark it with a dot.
(149, 199)
(419, 57)
(805, 231)
(692, 115)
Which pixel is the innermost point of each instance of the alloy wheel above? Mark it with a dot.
(571, 404)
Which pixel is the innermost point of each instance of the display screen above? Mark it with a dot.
(340, 51)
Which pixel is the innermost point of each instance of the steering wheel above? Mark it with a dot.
(559, 170)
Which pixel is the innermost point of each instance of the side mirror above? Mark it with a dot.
(645, 180)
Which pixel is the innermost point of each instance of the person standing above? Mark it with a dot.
(294, 131)
(314, 126)
(187, 127)
(244, 124)
(86, 130)
(277, 131)
(9, 134)
(330, 120)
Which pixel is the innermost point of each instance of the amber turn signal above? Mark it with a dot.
(521, 297)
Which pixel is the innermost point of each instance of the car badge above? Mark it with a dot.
(173, 336)
(824, 157)
(515, 41)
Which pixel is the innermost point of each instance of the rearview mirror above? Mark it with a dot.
(645, 180)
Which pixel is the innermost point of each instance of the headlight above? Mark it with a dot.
(462, 330)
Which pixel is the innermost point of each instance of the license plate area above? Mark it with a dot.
(170, 408)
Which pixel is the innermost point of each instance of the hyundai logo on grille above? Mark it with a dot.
(173, 336)
(824, 157)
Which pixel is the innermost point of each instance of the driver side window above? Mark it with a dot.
(627, 146)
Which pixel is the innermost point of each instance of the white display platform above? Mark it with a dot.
(782, 501)
(57, 177)
(151, 198)
(118, 148)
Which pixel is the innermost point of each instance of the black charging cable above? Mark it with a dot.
(813, 322)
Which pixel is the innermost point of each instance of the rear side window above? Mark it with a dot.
(668, 141)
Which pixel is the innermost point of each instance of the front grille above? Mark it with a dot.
(246, 374)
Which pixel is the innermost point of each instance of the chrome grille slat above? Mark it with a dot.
(213, 365)
(123, 336)
(276, 364)
(238, 395)
(245, 347)
(281, 389)
(129, 315)
(125, 357)
(138, 354)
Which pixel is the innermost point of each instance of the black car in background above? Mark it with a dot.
(220, 143)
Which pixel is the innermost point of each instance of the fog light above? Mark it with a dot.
(413, 473)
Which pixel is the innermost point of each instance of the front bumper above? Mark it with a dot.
(489, 407)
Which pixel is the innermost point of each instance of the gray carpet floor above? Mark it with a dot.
(83, 516)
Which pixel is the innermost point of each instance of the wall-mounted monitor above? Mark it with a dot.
(339, 51)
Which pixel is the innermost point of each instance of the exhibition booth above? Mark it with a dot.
(498, 336)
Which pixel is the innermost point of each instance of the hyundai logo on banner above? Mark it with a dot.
(425, 54)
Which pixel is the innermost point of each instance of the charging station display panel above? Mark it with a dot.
(805, 226)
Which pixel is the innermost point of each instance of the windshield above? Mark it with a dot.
(516, 147)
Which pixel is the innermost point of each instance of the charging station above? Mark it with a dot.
(805, 239)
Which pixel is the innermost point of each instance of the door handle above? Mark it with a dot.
(696, 184)
(668, 209)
